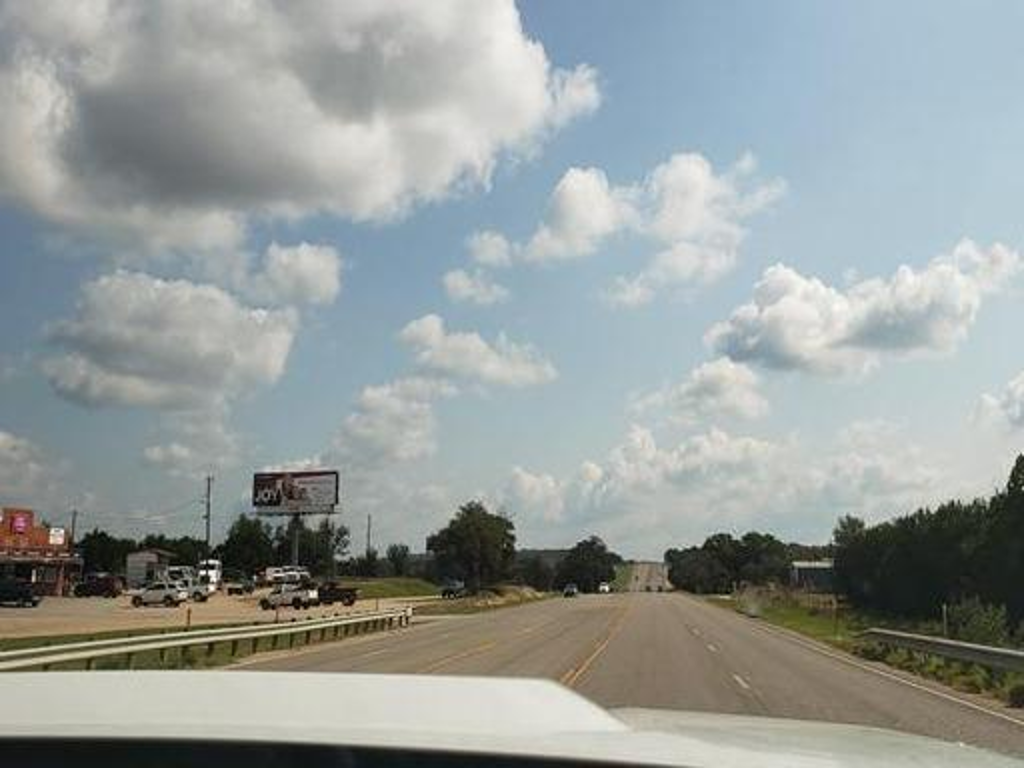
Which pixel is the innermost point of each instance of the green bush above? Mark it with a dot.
(1015, 692)
(973, 621)
(870, 651)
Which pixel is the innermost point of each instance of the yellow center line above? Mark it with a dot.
(458, 657)
(571, 676)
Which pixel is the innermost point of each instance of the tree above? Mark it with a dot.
(398, 556)
(320, 549)
(586, 565)
(367, 565)
(185, 550)
(534, 571)
(102, 552)
(475, 546)
(695, 569)
(249, 545)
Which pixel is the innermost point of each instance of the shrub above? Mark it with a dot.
(972, 621)
(1015, 692)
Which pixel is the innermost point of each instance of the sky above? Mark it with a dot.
(647, 272)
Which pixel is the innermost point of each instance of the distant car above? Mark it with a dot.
(451, 590)
(166, 593)
(604, 588)
(570, 590)
(238, 584)
(13, 592)
(194, 590)
(296, 595)
(331, 592)
(99, 585)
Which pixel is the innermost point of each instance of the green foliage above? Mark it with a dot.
(185, 550)
(398, 557)
(476, 546)
(722, 562)
(249, 546)
(534, 571)
(972, 621)
(1015, 693)
(910, 566)
(320, 548)
(103, 552)
(587, 564)
(367, 565)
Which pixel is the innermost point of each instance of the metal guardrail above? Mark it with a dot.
(985, 655)
(46, 656)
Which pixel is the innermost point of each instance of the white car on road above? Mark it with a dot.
(166, 593)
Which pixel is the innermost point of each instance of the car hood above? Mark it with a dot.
(477, 715)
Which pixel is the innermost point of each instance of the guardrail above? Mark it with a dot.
(45, 657)
(985, 655)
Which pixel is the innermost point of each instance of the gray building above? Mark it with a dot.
(145, 565)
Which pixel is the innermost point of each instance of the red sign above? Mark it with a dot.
(20, 522)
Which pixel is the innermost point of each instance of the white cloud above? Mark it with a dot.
(160, 125)
(692, 215)
(298, 274)
(489, 248)
(1008, 405)
(392, 422)
(24, 471)
(473, 287)
(582, 212)
(467, 355)
(716, 388)
(540, 496)
(796, 322)
(171, 344)
(200, 443)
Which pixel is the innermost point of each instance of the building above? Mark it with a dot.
(39, 554)
(143, 566)
(812, 575)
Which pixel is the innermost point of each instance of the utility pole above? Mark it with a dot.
(207, 499)
(74, 520)
(369, 531)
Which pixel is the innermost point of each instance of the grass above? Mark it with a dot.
(42, 641)
(392, 586)
(490, 600)
(623, 575)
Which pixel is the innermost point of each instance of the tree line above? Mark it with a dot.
(958, 554)
(724, 562)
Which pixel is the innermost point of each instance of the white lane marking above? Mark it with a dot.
(712, 647)
(378, 652)
(891, 676)
(741, 682)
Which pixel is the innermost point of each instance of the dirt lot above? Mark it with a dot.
(72, 616)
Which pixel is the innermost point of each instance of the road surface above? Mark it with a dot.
(670, 651)
(649, 577)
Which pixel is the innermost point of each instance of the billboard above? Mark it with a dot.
(57, 537)
(295, 492)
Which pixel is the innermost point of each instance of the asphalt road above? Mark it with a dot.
(670, 651)
(649, 577)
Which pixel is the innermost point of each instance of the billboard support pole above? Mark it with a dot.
(295, 540)
(209, 484)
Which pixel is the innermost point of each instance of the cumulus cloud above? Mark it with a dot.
(200, 442)
(692, 215)
(475, 288)
(489, 248)
(160, 124)
(716, 388)
(582, 212)
(25, 474)
(298, 274)
(392, 422)
(1008, 405)
(540, 495)
(141, 341)
(467, 355)
(798, 322)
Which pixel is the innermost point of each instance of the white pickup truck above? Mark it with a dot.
(295, 595)
(167, 593)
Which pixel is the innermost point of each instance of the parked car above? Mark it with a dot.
(604, 588)
(331, 592)
(99, 585)
(166, 593)
(13, 592)
(237, 583)
(453, 589)
(295, 595)
(570, 590)
(194, 589)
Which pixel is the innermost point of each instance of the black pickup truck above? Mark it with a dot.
(14, 592)
(332, 592)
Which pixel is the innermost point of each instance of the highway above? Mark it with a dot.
(669, 650)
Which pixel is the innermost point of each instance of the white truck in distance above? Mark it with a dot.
(295, 595)
(211, 574)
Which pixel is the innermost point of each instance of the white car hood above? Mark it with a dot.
(479, 715)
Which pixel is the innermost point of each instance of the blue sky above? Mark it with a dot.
(219, 263)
